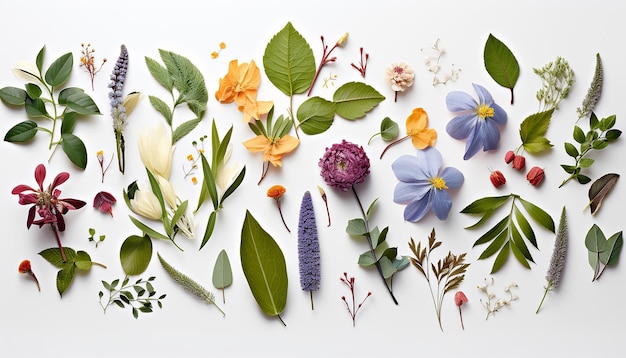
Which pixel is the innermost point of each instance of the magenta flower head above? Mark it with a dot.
(475, 121)
(344, 165)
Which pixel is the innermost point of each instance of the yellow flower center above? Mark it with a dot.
(438, 183)
(484, 111)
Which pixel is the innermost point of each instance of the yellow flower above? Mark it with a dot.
(222, 45)
(416, 124)
(155, 150)
(240, 86)
(272, 148)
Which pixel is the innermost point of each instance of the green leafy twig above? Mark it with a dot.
(449, 272)
(70, 103)
(139, 301)
(73, 260)
(599, 136)
(509, 233)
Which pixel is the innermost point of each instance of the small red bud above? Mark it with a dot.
(535, 176)
(509, 156)
(519, 162)
(460, 298)
(497, 178)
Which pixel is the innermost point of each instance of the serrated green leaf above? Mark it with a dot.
(13, 96)
(160, 74)
(538, 214)
(289, 62)
(53, 256)
(65, 277)
(500, 260)
(188, 80)
(78, 101)
(135, 254)
(83, 261)
(595, 241)
(60, 70)
(354, 99)
(75, 149)
(389, 129)
(614, 245)
(184, 128)
(162, 108)
(222, 272)
(21, 132)
(501, 64)
(315, 115)
(533, 130)
(600, 189)
(264, 267)
(484, 205)
(356, 227)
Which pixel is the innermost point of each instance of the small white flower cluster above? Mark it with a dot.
(492, 304)
(432, 61)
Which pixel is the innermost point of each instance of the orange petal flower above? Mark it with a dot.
(276, 191)
(240, 86)
(416, 124)
(273, 150)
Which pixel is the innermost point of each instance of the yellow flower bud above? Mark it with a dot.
(342, 40)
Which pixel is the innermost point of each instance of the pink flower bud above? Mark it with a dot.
(535, 176)
(519, 162)
(460, 298)
(497, 178)
(509, 156)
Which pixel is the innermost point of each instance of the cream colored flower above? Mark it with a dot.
(400, 76)
(146, 204)
(155, 149)
(226, 174)
(26, 71)
(169, 194)
(187, 226)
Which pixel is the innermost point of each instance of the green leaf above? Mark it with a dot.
(387, 267)
(315, 115)
(579, 135)
(538, 214)
(65, 277)
(594, 259)
(13, 96)
(264, 266)
(60, 70)
(495, 245)
(75, 149)
(69, 122)
(586, 162)
(614, 246)
(389, 129)
(78, 101)
(53, 256)
(600, 189)
(370, 208)
(493, 232)
(188, 80)
(83, 261)
(582, 179)
(571, 150)
(595, 241)
(135, 254)
(355, 99)
(39, 59)
(209, 229)
(501, 258)
(21, 132)
(501, 64)
(234, 185)
(160, 74)
(484, 205)
(35, 108)
(222, 272)
(520, 246)
(356, 227)
(533, 130)
(519, 255)
(289, 62)
(184, 128)
(366, 258)
(148, 230)
(162, 108)
(209, 181)
(33, 90)
(525, 227)
(612, 134)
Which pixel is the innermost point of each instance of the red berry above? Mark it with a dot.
(535, 176)
(519, 162)
(497, 178)
(509, 156)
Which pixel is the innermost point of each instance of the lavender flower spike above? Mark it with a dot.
(308, 247)
(557, 261)
(118, 111)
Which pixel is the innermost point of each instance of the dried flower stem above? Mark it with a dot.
(280, 211)
(325, 198)
(354, 309)
(362, 67)
(325, 59)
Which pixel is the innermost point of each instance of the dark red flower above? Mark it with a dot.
(535, 176)
(519, 162)
(497, 178)
(104, 201)
(509, 156)
(25, 268)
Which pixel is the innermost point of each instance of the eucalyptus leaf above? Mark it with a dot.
(356, 227)
(613, 249)
(315, 115)
(21, 132)
(600, 189)
(135, 254)
(75, 149)
(289, 62)
(60, 70)
(264, 267)
(222, 272)
(595, 241)
(354, 99)
(13, 96)
(501, 64)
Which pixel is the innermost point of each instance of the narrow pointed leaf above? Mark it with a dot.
(525, 227)
(185, 128)
(162, 108)
(493, 232)
(495, 245)
(600, 189)
(519, 255)
(484, 205)
(210, 226)
(501, 64)
(501, 258)
(538, 214)
(354, 99)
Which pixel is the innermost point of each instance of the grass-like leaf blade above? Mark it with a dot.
(75, 149)
(538, 214)
(503, 255)
(484, 205)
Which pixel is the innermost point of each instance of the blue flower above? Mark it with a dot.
(423, 184)
(478, 122)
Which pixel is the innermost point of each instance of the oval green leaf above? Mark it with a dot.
(264, 267)
(600, 189)
(60, 70)
(135, 254)
(595, 241)
(389, 129)
(33, 90)
(613, 249)
(78, 101)
(354, 99)
(315, 115)
(222, 272)
(13, 95)
(35, 108)
(501, 64)
(64, 278)
(21, 132)
(75, 150)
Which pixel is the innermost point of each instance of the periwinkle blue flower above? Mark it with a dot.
(475, 121)
(308, 247)
(424, 183)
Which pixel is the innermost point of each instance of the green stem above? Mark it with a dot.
(544, 296)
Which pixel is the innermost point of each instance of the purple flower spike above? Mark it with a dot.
(308, 247)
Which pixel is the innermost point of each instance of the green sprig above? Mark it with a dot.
(133, 295)
(557, 78)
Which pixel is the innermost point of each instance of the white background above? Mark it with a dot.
(579, 319)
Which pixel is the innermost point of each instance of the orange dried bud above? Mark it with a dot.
(276, 191)
(519, 162)
(535, 176)
(497, 178)
(25, 267)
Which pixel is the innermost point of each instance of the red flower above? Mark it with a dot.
(104, 201)
(459, 300)
(535, 176)
(519, 162)
(497, 178)
(25, 268)
(509, 156)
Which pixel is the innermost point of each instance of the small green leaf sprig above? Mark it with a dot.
(69, 104)
(603, 252)
(92, 234)
(509, 233)
(68, 265)
(448, 273)
(185, 83)
(598, 137)
(142, 301)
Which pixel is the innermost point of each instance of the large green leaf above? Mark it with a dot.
(484, 205)
(354, 99)
(135, 254)
(78, 101)
(289, 62)
(501, 64)
(13, 95)
(74, 148)
(60, 70)
(316, 115)
(264, 266)
(188, 80)
(222, 272)
(21, 132)
(533, 130)
(159, 72)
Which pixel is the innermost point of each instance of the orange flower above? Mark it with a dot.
(416, 124)
(273, 148)
(240, 86)
(276, 191)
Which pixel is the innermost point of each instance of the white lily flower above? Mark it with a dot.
(187, 226)
(26, 71)
(155, 149)
(167, 189)
(146, 204)
(227, 174)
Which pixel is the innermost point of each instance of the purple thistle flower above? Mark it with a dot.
(308, 247)
(344, 165)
